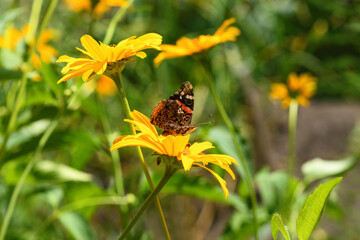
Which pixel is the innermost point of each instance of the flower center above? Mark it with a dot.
(294, 94)
(186, 151)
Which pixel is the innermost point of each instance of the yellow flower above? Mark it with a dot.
(299, 88)
(105, 86)
(99, 9)
(175, 146)
(44, 52)
(102, 55)
(11, 38)
(185, 46)
(79, 5)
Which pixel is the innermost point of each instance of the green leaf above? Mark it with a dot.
(310, 214)
(278, 225)
(10, 59)
(318, 168)
(8, 16)
(272, 187)
(50, 76)
(77, 226)
(61, 172)
(223, 140)
(6, 74)
(44, 171)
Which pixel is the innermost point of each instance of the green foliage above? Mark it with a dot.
(317, 169)
(278, 225)
(74, 165)
(77, 226)
(310, 214)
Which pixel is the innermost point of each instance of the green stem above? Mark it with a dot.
(118, 178)
(167, 175)
(21, 95)
(114, 21)
(293, 111)
(229, 125)
(34, 20)
(29, 166)
(117, 79)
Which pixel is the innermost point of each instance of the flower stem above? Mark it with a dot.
(114, 21)
(117, 79)
(118, 178)
(21, 95)
(29, 166)
(293, 111)
(229, 125)
(167, 175)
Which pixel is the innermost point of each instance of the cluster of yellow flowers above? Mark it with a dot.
(99, 9)
(12, 37)
(103, 58)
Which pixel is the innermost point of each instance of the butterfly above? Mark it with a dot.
(174, 114)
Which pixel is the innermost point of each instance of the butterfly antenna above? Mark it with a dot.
(200, 122)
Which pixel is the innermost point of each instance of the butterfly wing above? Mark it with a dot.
(174, 115)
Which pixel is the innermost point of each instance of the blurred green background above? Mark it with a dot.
(75, 168)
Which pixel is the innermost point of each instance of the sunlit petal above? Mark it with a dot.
(185, 46)
(101, 55)
(221, 181)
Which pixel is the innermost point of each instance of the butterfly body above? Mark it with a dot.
(174, 114)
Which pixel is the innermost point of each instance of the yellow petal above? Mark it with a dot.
(278, 91)
(303, 101)
(197, 148)
(187, 162)
(143, 128)
(86, 75)
(223, 26)
(168, 143)
(92, 47)
(136, 141)
(221, 181)
(180, 143)
(293, 82)
(139, 117)
(141, 55)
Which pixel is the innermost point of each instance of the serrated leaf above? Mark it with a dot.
(278, 225)
(318, 168)
(77, 226)
(310, 214)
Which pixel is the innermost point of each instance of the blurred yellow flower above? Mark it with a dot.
(44, 53)
(105, 86)
(99, 9)
(12, 37)
(299, 88)
(185, 46)
(175, 146)
(103, 56)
